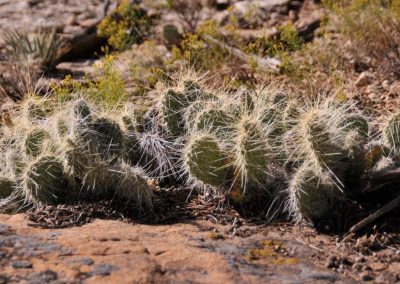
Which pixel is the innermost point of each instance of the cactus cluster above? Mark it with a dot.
(53, 153)
(253, 146)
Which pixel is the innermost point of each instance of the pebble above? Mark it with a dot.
(331, 262)
(363, 79)
(366, 276)
(21, 264)
(103, 269)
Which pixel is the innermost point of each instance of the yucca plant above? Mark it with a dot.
(41, 48)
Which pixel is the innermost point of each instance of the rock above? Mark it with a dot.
(3, 279)
(22, 264)
(371, 89)
(4, 228)
(107, 251)
(385, 84)
(82, 261)
(373, 97)
(47, 276)
(363, 79)
(331, 262)
(221, 18)
(394, 88)
(366, 276)
(103, 269)
(357, 266)
(70, 20)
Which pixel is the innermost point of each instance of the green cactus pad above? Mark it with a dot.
(311, 197)
(290, 114)
(82, 110)
(205, 160)
(103, 137)
(45, 181)
(132, 152)
(35, 112)
(173, 105)
(34, 142)
(391, 133)
(6, 187)
(213, 120)
(251, 153)
(129, 184)
(355, 122)
(314, 143)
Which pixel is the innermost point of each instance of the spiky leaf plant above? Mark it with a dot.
(35, 141)
(205, 161)
(128, 118)
(41, 49)
(391, 133)
(353, 165)
(192, 90)
(311, 196)
(44, 181)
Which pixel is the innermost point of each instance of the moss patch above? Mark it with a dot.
(268, 251)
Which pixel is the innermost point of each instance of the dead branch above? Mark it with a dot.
(380, 212)
(268, 64)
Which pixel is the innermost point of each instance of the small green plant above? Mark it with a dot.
(129, 24)
(108, 87)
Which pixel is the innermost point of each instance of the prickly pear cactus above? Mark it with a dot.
(313, 142)
(103, 137)
(251, 153)
(192, 90)
(35, 141)
(310, 196)
(130, 184)
(45, 181)
(391, 133)
(128, 118)
(205, 161)
(82, 110)
(355, 122)
(7, 187)
(173, 105)
(214, 121)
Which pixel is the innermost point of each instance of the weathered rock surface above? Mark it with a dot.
(115, 252)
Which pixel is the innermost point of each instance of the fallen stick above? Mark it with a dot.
(268, 64)
(380, 212)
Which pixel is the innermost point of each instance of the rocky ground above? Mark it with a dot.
(193, 251)
(190, 252)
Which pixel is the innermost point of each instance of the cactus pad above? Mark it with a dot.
(205, 160)
(45, 181)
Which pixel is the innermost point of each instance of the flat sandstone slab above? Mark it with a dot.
(106, 251)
